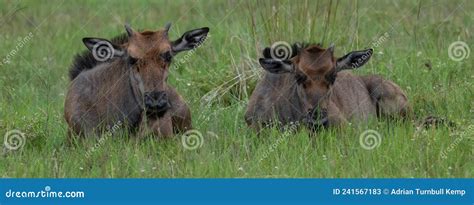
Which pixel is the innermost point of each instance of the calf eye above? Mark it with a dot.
(132, 60)
(166, 56)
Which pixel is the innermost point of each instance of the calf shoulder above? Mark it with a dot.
(349, 100)
(274, 99)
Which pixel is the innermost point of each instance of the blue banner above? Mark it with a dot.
(237, 191)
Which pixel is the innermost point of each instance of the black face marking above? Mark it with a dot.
(331, 76)
(156, 103)
(166, 56)
(157, 113)
(300, 77)
(131, 60)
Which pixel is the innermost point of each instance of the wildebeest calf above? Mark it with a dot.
(124, 81)
(314, 87)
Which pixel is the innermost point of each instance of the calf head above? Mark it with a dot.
(148, 55)
(315, 70)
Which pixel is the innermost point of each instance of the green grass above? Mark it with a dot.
(219, 77)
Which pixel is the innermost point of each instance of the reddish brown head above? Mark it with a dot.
(314, 68)
(148, 55)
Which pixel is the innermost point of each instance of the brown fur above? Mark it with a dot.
(102, 94)
(313, 82)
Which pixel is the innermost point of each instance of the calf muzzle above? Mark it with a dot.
(156, 102)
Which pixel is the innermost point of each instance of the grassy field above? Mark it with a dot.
(412, 39)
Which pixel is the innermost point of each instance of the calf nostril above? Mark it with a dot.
(148, 100)
(156, 100)
(163, 103)
(161, 96)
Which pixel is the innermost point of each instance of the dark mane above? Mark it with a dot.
(86, 61)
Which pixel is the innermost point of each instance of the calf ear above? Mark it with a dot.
(191, 39)
(102, 49)
(353, 60)
(276, 66)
